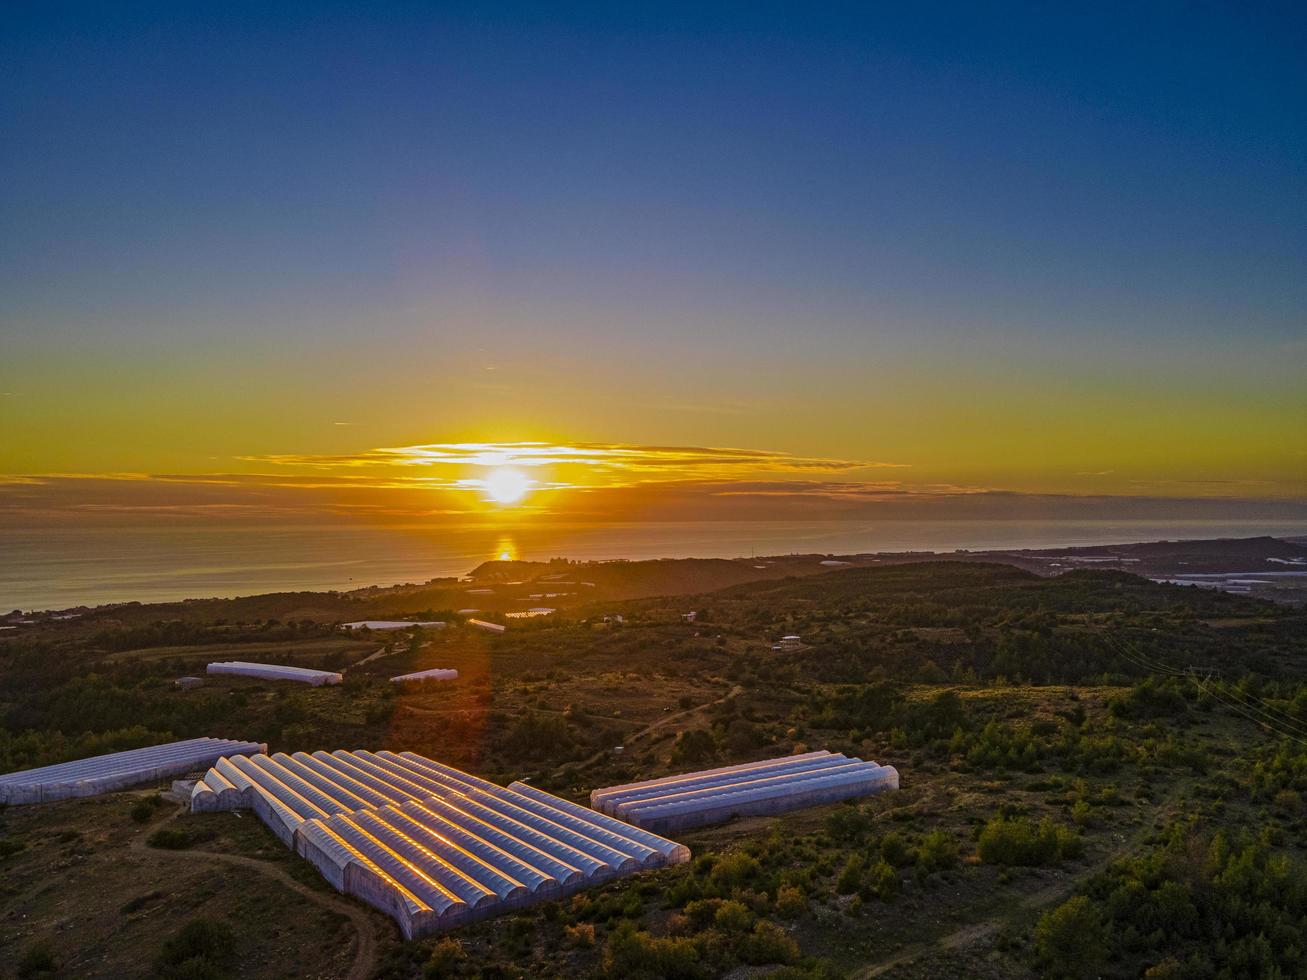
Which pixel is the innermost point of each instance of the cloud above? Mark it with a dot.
(440, 500)
(599, 458)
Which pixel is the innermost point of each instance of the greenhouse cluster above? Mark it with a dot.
(276, 672)
(676, 803)
(430, 845)
(118, 770)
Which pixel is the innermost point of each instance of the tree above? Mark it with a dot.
(1072, 939)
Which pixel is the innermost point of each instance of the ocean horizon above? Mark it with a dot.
(61, 568)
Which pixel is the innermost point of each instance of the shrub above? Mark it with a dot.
(937, 852)
(632, 955)
(694, 747)
(581, 935)
(895, 850)
(1071, 938)
(447, 956)
(735, 869)
(848, 824)
(203, 949)
(702, 912)
(1018, 842)
(790, 902)
(768, 943)
(144, 809)
(882, 881)
(850, 879)
(733, 917)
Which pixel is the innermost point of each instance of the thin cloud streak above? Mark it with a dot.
(615, 457)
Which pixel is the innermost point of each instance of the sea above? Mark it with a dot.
(45, 568)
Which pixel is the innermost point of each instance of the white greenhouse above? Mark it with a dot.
(431, 846)
(676, 803)
(489, 627)
(435, 674)
(276, 672)
(381, 625)
(118, 770)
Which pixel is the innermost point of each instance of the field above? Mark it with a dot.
(1051, 782)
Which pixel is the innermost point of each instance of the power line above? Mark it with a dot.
(1240, 701)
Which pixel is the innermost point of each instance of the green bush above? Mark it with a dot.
(1071, 939)
(768, 943)
(144, 808)
(735, 869)
(632, 955)
(448, 956)
(882, 881)
(1018, 842)
(733, 916)
(937, 852)
(895, 850)
(790, 902)
(204, 949)
(850, 879)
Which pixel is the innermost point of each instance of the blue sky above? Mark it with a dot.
(207, 209)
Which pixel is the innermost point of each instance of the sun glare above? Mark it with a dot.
(506, 485)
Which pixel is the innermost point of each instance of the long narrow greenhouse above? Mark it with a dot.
(276, 672)
(676, 803)
(430, 845)
(434, 674)
(119, 770)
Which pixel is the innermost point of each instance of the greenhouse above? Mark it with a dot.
(676, 803)
(276, 672)
(431, 846)
(435, 674)
(119, 770)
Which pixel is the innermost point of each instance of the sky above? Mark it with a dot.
(257, 260)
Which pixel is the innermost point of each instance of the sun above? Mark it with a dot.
(506, 485)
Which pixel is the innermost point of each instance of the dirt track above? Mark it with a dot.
(365, 947)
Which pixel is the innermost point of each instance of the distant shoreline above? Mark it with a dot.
(49, 573)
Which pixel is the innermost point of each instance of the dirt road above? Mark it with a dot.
(365, 947)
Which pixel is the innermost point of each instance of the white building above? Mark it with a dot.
(531, 613)
(676, 803)
(489, 627)
(118, 770)
(434, 674)
(276, 672)
(393, 624)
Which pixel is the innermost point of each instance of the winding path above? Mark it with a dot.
(365, 949)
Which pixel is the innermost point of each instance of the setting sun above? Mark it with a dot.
(506, 485)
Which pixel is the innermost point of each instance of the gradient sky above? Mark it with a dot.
(1019, 248)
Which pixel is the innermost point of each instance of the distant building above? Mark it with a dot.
(531, 613)
(276, 672)
(435, 674)
(489, 627)
(393, 624)
(186, 683)
(790, 642)
(691, 616)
